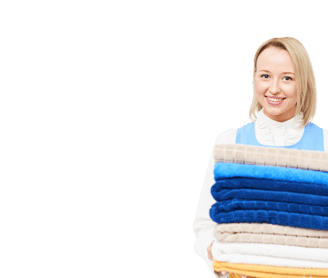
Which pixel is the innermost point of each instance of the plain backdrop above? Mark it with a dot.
(108, 114)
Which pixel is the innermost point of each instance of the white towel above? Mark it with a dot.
(270, 254)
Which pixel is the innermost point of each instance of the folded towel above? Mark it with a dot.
(273, 239)
(272, 217)
(242, 204)
(271, 251)
(245, 193)
(281, 157)
(233, 170)
(270, 234)
(255, 201)
(269, 185)
(269, 229)
(261, 271)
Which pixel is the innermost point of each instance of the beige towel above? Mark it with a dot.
(281, 157)
(270, 234)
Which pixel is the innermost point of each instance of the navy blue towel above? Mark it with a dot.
(270, 194)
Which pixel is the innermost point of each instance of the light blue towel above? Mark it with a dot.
(229, 170)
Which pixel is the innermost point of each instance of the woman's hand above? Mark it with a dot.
(209, 253)
(243, 276)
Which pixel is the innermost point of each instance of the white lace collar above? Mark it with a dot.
(265, 126)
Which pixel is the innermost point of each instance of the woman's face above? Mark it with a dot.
(275, 79)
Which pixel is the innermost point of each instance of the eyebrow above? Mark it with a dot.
(283, 72)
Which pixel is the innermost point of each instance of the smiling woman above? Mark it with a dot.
(275, 88)
(282, 68)
(283, 105)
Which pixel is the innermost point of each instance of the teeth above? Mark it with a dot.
(275, 99)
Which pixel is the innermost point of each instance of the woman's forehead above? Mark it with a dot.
(273, 57)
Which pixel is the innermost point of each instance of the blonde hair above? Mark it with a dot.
(305, 81)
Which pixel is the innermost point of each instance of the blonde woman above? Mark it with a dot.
(284, 103)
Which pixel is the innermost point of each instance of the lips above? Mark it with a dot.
(275, 103)
(277, 97)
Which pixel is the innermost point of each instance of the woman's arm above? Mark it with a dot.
(203, 225)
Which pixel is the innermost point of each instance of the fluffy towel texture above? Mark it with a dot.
(301, 204)
(270, 234)
(271, 186)
(281, 157)
(234, 170)
(247, 187)
(272, 217)
(273, 239)
(259, 271)
(241, 204)
(268, 229)
(270, 251)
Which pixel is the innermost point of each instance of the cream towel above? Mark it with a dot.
(270, 234)
(281, 157)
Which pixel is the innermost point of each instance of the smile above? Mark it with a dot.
(275, 101)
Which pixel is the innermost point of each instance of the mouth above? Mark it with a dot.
(281, 98)
(275, 101)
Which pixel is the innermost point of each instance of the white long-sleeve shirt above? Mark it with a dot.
(268, 132)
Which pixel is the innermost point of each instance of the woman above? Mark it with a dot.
(285, 99)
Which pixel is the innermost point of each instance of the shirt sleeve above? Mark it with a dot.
(203, 225)
(325, 140)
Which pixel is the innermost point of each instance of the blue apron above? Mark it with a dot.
(312, 139)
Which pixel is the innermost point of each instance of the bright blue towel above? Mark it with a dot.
(269, 194)
(230, 170)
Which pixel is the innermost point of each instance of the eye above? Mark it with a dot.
(266, 76)
(288, 77)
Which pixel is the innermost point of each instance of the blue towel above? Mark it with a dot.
(230, 170)
(235, 204)
(269, 194)
(269, 184)
(273, 217)
(270, 190)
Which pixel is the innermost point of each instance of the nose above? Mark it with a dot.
(274, 87)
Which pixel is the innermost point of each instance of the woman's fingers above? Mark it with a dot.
(243, 276)
(209, 251)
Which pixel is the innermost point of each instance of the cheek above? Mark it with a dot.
(260, 88)
(291, 92)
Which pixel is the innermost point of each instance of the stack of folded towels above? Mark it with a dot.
(272, 212)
